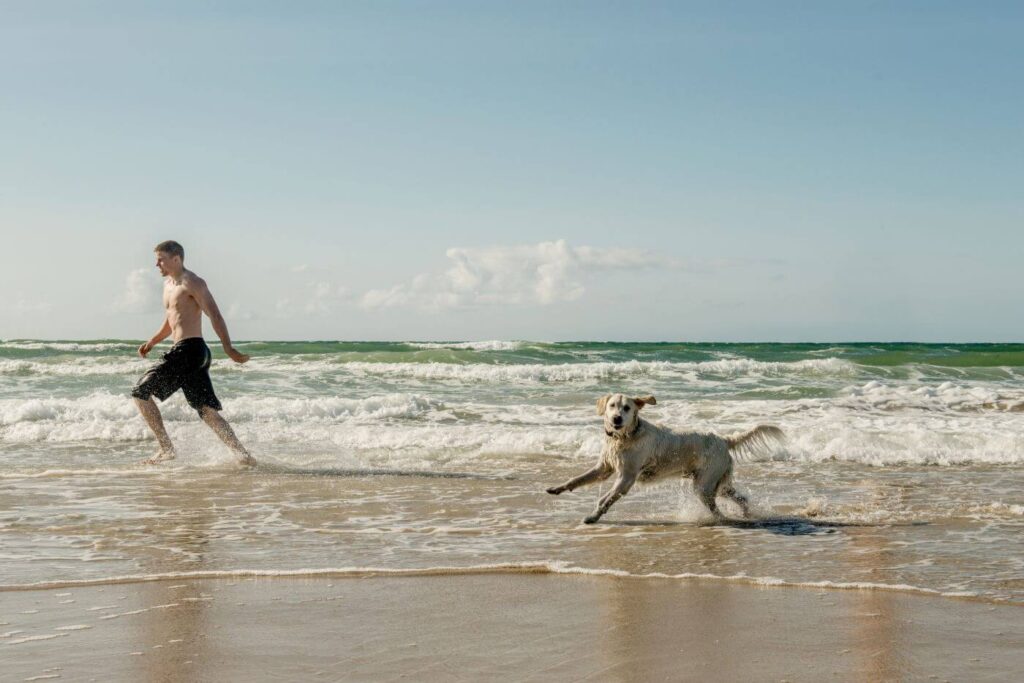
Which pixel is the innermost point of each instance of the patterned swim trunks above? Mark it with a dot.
(185, 366)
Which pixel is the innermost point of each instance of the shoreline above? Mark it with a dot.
(519, 626)
(509, 569)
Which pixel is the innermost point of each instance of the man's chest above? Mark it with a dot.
(176, 297)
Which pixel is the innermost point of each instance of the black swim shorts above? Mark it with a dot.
(185, 366)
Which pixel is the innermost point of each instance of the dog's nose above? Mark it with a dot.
(617, 420)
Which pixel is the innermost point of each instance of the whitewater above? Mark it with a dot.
(901, 468)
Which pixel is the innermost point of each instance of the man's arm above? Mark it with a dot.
(201, 292)
(162, 333)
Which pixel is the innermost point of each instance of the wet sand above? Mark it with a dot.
(499, 626)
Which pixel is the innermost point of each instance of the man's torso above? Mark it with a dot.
(183, 312)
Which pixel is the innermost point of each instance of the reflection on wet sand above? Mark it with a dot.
(879, 642)
(633, 612)
(871, 636)
(171, 633)
(178, 526)
(498, 626)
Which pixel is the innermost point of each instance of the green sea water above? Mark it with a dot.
(902, 464)
(503, 352)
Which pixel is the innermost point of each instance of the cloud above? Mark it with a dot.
(321, 299)
(237, 312)
(543, 273)
(324, 298)
(142, 293)
(24, 306)
(284, 306)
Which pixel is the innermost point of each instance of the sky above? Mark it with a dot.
(684, 171)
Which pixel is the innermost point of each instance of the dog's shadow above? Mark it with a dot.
(779, 525)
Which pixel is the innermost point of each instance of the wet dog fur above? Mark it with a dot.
(637, 450)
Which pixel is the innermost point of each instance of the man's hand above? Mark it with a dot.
(236, 355)
(145, 349)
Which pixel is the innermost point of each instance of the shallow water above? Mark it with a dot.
(902, 466)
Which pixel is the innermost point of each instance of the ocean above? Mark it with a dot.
(901, 469)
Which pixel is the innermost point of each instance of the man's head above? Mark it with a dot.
(170, 257)
(620, 412)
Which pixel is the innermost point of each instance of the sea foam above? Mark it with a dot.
(553, 567)
(468, 372)
(421, 427)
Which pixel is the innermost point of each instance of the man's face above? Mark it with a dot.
(167, 263)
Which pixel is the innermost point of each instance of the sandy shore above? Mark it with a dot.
(499, 626)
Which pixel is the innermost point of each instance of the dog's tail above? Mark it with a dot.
(758, 439)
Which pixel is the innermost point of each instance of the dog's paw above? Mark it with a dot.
(555, 490)
(591, 519)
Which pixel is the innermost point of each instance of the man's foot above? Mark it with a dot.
(161, 456)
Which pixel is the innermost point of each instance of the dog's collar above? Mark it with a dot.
(639, 426)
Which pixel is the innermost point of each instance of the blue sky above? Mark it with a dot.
(553, 170)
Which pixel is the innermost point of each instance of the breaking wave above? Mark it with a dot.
(419, 429)
(494, 345)
(469, 372)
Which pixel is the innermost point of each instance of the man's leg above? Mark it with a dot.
(156, 424)
(221, 427)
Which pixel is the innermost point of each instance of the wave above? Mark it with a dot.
(494, 345)
(580, 372)
(951, 357)
(1008, 507)
(104, 406)
(445, 446)
(68, 346)
(946, 395)
(902, 442)
(468, 372)
(553, 567)
(358, 446)
(410, 429)
(856, 402)
(75, 367)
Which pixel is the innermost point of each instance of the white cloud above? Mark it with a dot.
(543, 273)
(142, 293)
(320, 299)
(24, 306)
(237, 312)
(324, 298)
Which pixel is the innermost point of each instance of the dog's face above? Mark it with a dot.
(620, 412)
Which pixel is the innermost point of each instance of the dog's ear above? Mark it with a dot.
(601, 403)
(642, 401)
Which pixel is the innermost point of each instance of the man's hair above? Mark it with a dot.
(171, 247)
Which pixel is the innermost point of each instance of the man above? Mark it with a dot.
(186, 366)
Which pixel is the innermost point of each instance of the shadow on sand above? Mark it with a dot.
(782, 525)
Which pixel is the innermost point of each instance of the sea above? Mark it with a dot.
(901, 469)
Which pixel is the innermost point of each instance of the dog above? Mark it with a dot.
(637, 450)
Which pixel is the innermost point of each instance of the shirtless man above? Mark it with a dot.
(186, 365)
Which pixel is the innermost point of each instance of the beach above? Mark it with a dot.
(507, 625)
(397, 524)
(523, 341)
